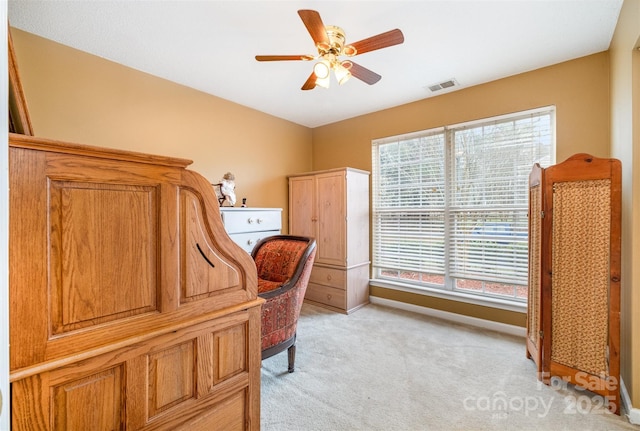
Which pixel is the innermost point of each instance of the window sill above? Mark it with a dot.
(454, 296)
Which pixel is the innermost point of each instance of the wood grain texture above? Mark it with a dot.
(205, 271)
(130, 307)
(302, 205)
(52, 146)
(230, 358)
(33, 412)
(332, 206)
(171, 376)
(332, 213)
(93, 402)
(103, 252)
(28, 283)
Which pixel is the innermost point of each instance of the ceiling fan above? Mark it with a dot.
(330, 43)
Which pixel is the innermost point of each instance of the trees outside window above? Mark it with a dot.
(450, 204)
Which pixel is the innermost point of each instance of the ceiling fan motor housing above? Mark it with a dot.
(335, 45)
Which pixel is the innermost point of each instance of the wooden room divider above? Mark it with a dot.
(573, 320)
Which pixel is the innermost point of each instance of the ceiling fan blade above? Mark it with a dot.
(364, 74)
(315, 27)
(382, 40)
(310, 84)
(283, 57)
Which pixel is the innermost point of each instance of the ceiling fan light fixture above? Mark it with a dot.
(330, 44)
(323, 82)
(342, 73)
(322, 69)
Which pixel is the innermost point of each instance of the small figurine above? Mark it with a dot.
(225, 189)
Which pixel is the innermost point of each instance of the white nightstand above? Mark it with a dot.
(247, 226)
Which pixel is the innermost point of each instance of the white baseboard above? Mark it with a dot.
(458, 318)
(632, 413)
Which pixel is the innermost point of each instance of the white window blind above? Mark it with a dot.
(450, 205)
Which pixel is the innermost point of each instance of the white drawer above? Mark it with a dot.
(239, 220)
(249, 240)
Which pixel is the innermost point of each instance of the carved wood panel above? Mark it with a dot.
(302, 205)
(231, 360)
(171, 376)
(111, 391)
(94, 402)
(226, 415)
(332, 213)
(205, 271)
(103, 252)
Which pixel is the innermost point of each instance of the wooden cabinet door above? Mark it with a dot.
(302, 213)
(331, 207)
(84, 255)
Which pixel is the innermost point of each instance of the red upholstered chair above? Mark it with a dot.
(284, 265)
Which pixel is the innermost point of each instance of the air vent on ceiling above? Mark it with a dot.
(442, 85)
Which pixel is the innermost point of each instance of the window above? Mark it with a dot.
(450, 204)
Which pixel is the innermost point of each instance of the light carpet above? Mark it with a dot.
(386, 369)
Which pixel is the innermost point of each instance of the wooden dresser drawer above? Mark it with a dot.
(326, 295)
(329, 277)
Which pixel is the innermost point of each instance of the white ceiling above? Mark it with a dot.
(210, 45)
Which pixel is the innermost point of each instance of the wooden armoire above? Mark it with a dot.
(332, 206)
(573, 320)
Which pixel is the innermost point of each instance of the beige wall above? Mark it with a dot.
(76, 97)
(579, 89)
(625, 145)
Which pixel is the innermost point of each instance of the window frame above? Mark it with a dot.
(448, 289)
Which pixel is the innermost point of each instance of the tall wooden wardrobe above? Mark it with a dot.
(573, 321)
(332, 206)
(130, 306)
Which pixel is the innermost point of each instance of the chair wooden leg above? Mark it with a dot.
(291, 352)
